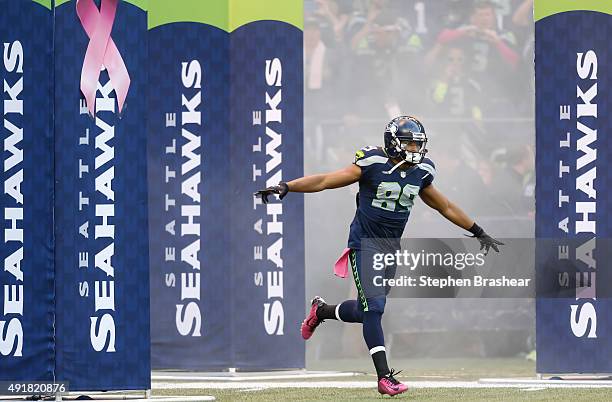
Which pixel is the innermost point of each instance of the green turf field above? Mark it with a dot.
(413, 370)
(438, 395)
(437, 369)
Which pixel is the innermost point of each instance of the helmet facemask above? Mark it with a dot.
(405, 139)
(410, 148)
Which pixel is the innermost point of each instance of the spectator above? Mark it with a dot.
(504, 11)
(428, 18)
(523, 16)
(379, 27)
(523, 19)
(384, 69)
(453, 92)
(516, 170)
(451, 156)
(491, 54)
(336, 13)
(318, 69)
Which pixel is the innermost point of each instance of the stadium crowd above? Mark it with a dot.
(464, 67)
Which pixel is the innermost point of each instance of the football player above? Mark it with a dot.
(389, 177)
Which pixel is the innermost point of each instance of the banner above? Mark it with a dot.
(266, 148)
(189, 166)
(572, 51)
(227, 274)
(26, 195)
(101, 255)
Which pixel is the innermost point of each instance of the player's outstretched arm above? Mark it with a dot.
(438, 201)
(314, 183)
(325, 181)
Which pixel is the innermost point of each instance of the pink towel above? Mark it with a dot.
(341, 267)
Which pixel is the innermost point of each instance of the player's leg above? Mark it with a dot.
(320, 311)
(347, 311)
(372, 302)
(372, 307)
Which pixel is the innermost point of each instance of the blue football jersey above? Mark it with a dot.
(386, 198)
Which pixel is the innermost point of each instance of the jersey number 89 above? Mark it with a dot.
(389, 194)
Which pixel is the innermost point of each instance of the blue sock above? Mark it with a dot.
(375, 339)
(372, 329)
(349, 311)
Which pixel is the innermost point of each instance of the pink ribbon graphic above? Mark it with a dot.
(101, 50)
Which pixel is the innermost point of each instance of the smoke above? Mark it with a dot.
(477, 109)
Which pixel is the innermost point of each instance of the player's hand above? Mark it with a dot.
(487, 242)
(281, 189)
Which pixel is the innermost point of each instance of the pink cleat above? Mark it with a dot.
(311, 322)
(388, 385)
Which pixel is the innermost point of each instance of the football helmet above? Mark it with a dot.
(401, 135)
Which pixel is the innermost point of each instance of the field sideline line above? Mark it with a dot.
(372, 384)
(246, 377)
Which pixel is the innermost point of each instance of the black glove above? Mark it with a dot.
(486, 241)
(281, 189)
